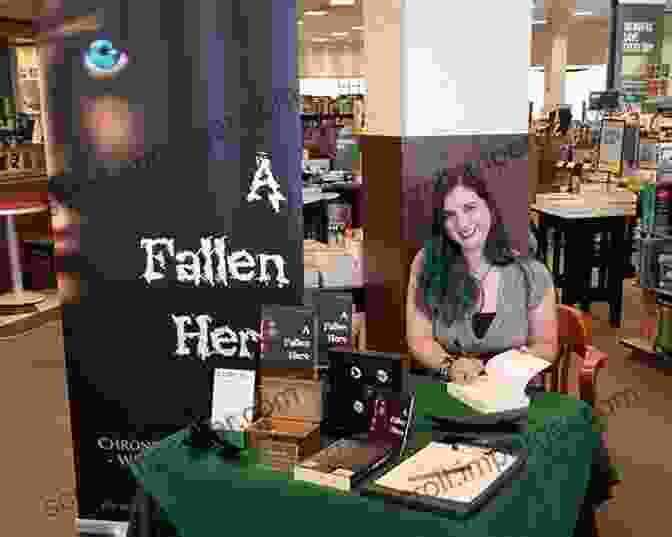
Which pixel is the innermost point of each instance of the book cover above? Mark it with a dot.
(289, 336)
(347, 461)
(334, 313)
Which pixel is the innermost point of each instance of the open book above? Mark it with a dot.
(502, 387)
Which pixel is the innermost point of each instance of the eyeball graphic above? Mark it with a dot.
(103, 61)
(355, 372)
(358, 406)
(382, 376)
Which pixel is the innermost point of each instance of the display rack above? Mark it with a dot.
(648, 231)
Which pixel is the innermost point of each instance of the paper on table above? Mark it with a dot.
(434, 471)
(232, 396)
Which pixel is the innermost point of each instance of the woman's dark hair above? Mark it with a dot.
(448, 287)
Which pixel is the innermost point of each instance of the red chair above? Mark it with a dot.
(575, 338)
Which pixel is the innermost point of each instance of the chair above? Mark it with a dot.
(575, 337)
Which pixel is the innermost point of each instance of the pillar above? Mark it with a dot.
(559, 15)
(437, 98)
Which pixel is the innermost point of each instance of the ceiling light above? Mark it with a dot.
(339, 34)
(583, 13)
(315, 13)
(299, 22)
(320, 40)
(338, 3)
(358, 27)
(539, 22)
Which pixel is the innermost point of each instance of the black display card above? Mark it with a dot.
(288, 336)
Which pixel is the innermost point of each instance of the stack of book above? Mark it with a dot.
(663, 214)
(648, 269)
(665, 271)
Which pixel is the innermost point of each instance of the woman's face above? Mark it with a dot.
(467, 218)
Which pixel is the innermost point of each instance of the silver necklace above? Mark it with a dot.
(487, 270)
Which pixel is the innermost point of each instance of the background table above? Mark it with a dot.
(19, 296)
(204, 495)
(577, 231)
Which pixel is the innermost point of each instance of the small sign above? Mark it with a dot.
(289, 337)
(232, 396)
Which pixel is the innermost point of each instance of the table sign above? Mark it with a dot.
(611, 146)
(232, 398)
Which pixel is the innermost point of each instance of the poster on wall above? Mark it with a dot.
(182, 166)
(611, 146)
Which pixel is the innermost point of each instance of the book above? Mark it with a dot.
(502, 386)
(334, 313)
(289, 336)
(344, 463)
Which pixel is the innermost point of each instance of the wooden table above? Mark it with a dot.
(577, 230)
(37, 465)
(19, 296)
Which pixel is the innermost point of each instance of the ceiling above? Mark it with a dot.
(342, 19)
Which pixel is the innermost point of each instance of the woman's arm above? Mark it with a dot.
(543, 328)
(419, 334)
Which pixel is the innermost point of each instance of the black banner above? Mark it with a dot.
(182, 167)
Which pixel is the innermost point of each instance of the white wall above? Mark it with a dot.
(578, 86)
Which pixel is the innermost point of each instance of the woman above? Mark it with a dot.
(469, 292)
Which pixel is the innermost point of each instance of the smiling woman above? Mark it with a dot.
(469, 292)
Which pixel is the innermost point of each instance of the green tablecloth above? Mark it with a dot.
(204, 496)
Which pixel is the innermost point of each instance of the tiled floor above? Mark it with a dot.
(639, 438)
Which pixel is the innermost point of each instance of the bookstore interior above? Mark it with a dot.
(357, 421)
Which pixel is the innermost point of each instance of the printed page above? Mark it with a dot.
(232, 398)
(440, 471)
(515, 366)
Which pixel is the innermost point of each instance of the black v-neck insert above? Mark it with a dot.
(481, 323)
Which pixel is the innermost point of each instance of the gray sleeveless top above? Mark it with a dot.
(509, 328)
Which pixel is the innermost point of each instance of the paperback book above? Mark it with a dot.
(346, 462)
(502, 387)
(288, 336)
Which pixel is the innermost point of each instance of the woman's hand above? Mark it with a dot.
(466, 370)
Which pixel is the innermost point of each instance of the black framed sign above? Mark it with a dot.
(190, 219)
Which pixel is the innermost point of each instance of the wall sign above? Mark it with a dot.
(639, 36)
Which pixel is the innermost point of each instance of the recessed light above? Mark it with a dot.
(539, 22)
(583, 13)
(339, 34)
(315, 13)
(338, 3)
(358, 27)
(320, 40)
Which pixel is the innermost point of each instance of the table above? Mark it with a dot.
(18, 297)
(34, 404)
(205, 495)
(577, 229)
